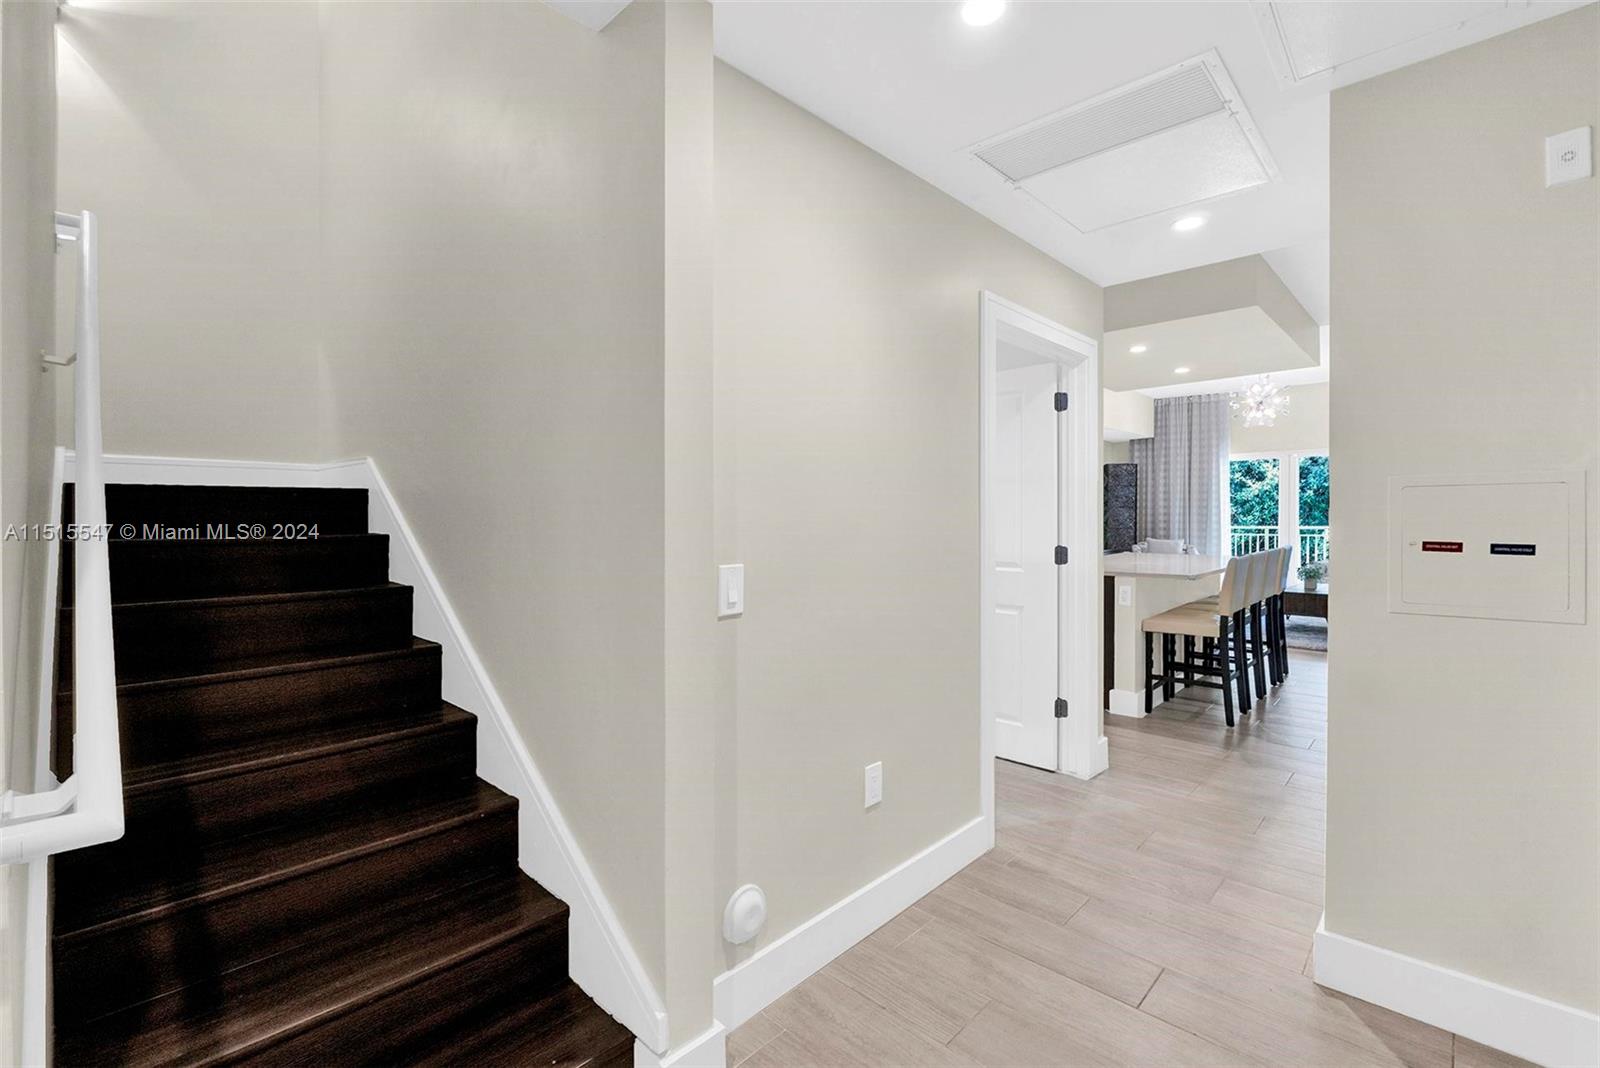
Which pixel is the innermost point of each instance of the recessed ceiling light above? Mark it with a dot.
(982, 12)
(1136, 349)
(1189, 222)
(1180, 370)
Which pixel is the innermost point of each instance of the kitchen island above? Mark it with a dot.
(1138, 586)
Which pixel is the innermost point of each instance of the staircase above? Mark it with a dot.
(312, 873)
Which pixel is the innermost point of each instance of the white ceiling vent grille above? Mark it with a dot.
(1172, 98)
(1175, 138)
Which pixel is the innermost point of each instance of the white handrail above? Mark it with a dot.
(86, 809)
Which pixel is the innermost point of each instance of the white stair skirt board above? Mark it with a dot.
(601, 958)
(752, 985)
(1524, 1025)
(708, 1049)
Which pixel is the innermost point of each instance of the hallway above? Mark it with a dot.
(1161, 913)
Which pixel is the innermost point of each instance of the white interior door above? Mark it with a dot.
(1025, 484)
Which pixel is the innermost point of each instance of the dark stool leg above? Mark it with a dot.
(1188, 659)
(1283, 634)
(1257, 650)
(1241, 663)
(1278, 641)
(1149, 669)
(1221, 649)
(1169, 645)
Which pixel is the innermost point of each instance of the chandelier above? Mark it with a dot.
(1261, 403)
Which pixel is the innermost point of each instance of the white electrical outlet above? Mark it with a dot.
(874, 784)
(1125, 596)
(1568, 157)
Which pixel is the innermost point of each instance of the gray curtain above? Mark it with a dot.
(1183, 472)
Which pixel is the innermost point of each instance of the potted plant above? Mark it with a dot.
(1313, 572)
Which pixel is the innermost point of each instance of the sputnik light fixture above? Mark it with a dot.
(1260, 403)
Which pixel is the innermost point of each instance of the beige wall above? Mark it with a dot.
(1303, 428)
(27, 296)
(494, 257)
(1463, 809)
(436, 234)
(190, 129)
(847, 333)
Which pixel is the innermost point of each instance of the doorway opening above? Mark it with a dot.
(1040, 551)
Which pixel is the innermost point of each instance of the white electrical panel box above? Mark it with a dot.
(1502, 546)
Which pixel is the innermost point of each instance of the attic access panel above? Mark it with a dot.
(1177, 137)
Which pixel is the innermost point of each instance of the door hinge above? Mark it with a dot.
(1061, 708)
(1061, 402)
(1061, 554)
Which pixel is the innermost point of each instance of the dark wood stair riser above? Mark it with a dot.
(386, 1030)
(168, 822)
(180, 719)
(178, 570)
(334, 511)
(311, 871)
(158, 638)
(103, 969)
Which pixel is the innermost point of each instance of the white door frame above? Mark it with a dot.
(1081, 742)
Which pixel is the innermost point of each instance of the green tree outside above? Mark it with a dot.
(1313, 491)
(1253, 493)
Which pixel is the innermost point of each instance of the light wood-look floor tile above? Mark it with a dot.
(745, 1041)
(1470, 1054)
(1159, 914)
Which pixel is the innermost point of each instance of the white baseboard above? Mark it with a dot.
(708, 1049)
(1524, 1025)
(1127, 703)
(749, 987)
(601, 957)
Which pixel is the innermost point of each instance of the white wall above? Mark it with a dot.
(847, 336)
(1130, 414)
(190, 129)
(1303, 428)
(1463, 808)
(27, 414)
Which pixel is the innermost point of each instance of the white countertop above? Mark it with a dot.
(1162, 565)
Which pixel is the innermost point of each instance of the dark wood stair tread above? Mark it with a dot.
(272, 856)
(311, 872)
(280, 663)
(306, 746)
(357, 962)
(334, 510)
(564, 1028)
(156, 570)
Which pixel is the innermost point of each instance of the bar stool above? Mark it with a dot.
(1216, 625)
(1280, 618)
(1251, 642)
(1263, 572)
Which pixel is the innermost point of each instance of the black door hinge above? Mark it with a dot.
(1061, 554)
(1061, 402)
(1061, 708)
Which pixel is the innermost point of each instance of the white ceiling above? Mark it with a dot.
(914, 82)
(1223, 344)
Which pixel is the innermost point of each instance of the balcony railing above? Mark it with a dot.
(1245, 540)
(1313, 544)
(1313, 541)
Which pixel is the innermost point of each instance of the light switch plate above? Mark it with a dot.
(730, 590)
(1125, 596)
(1568, 157)
(874, 784)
